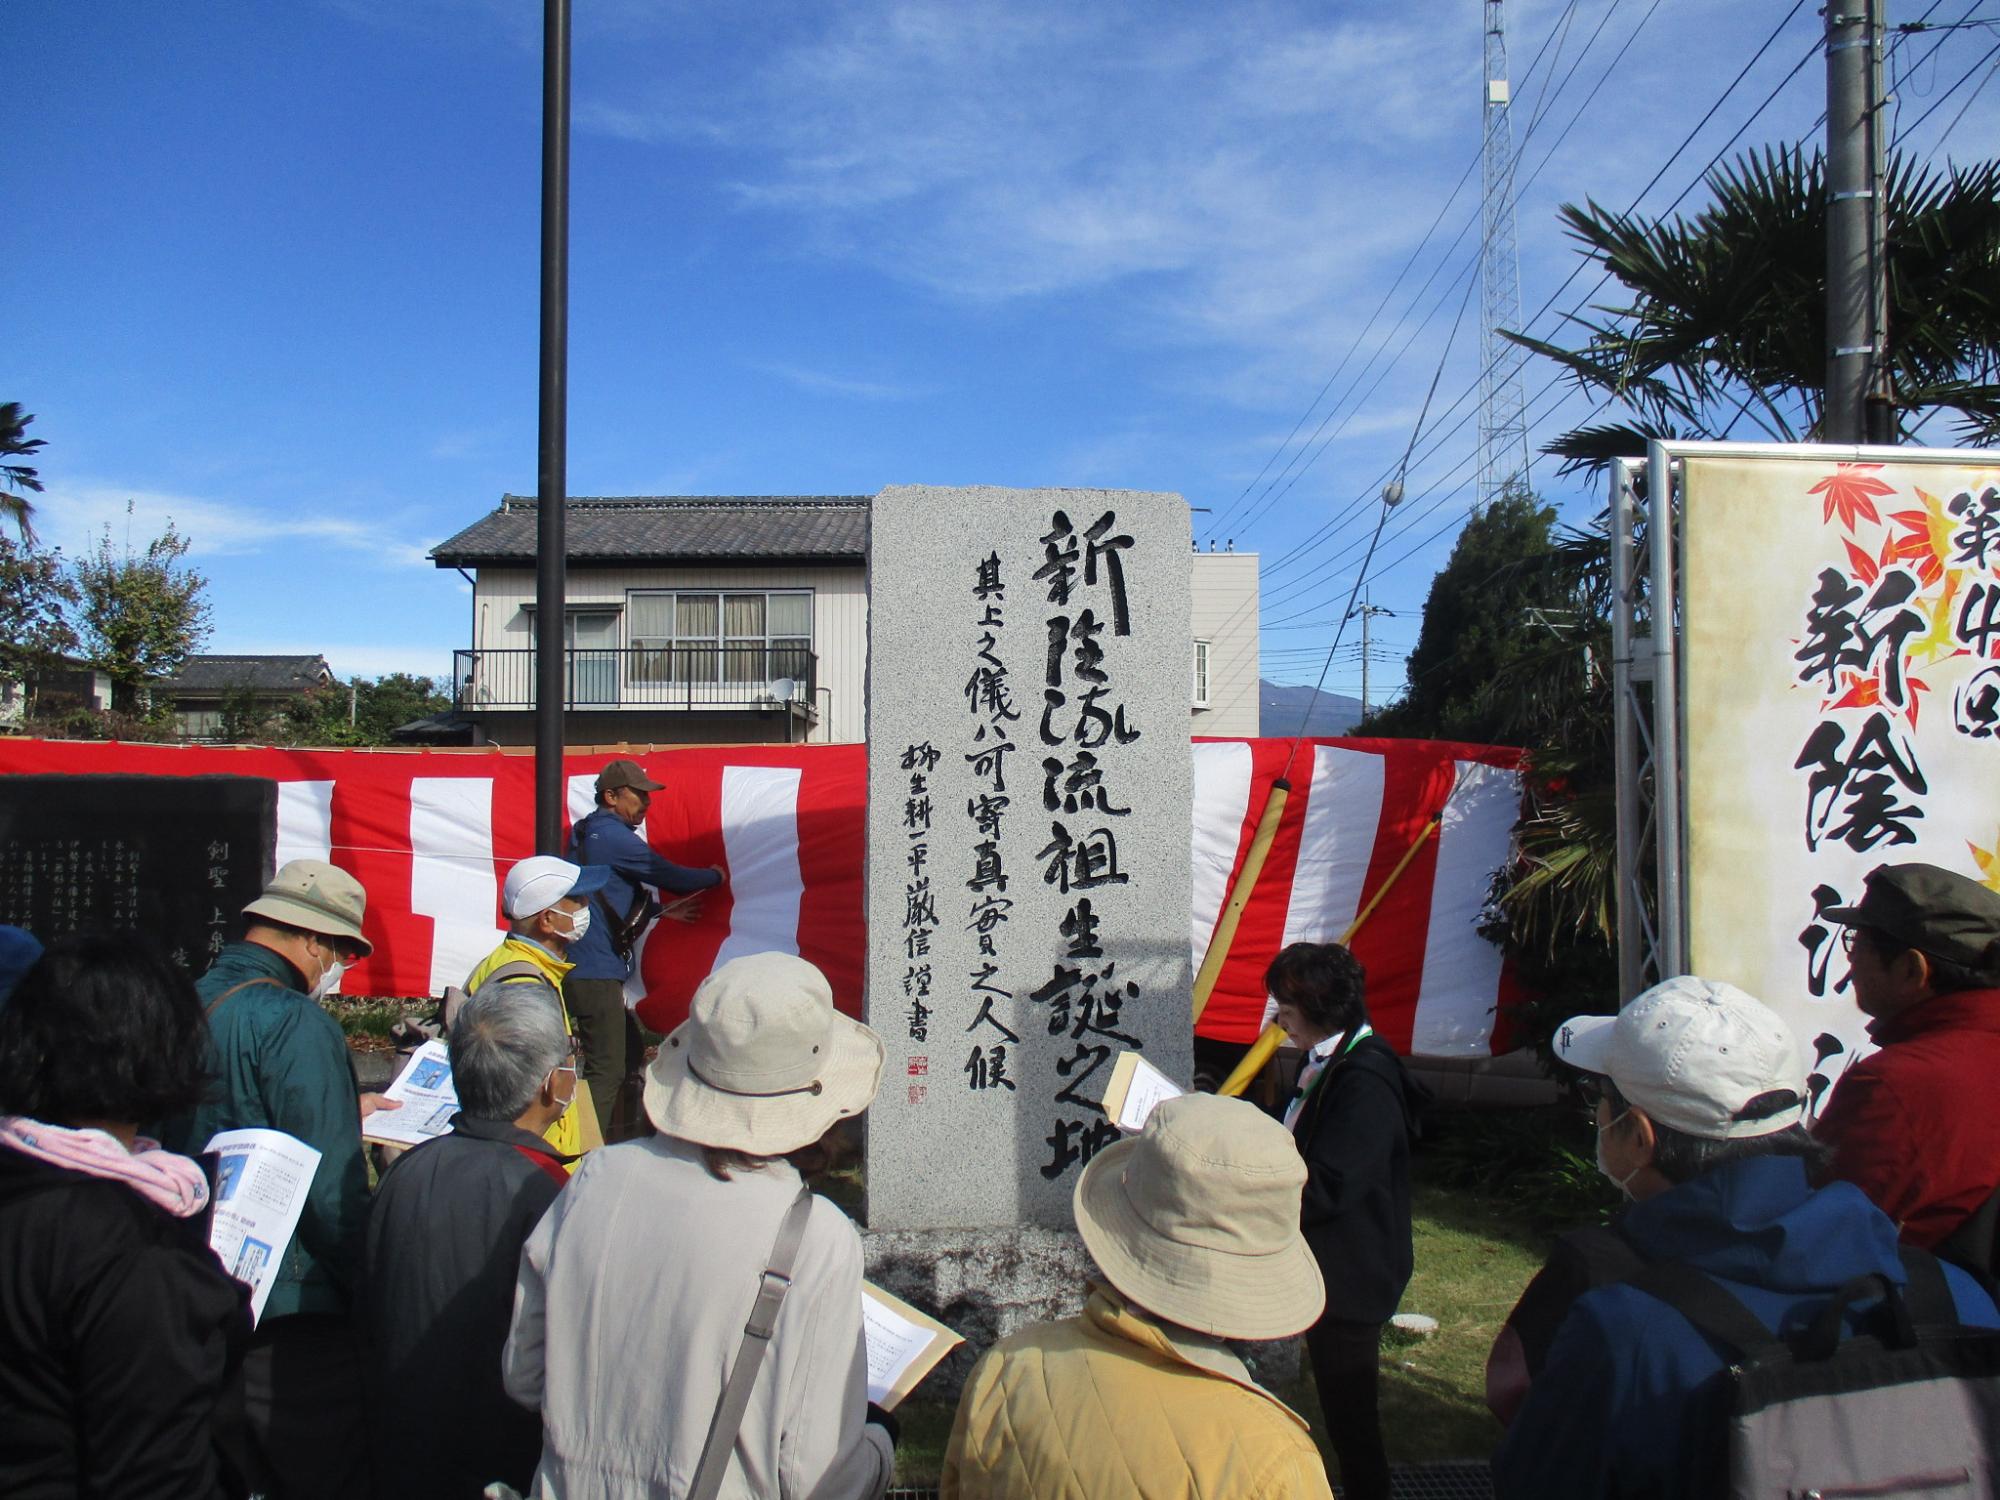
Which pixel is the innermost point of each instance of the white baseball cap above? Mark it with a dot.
(1698, 1056)
(536, 884)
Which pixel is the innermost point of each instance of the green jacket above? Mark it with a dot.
(280, 1063)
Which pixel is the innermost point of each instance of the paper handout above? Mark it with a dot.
(260, 1189)
(1135, 1087)
(904, 1345)
(428, 1096)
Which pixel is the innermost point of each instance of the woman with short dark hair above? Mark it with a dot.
(118, 1327)
(1352, 1116)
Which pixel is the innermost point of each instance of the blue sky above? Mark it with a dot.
(273, 266)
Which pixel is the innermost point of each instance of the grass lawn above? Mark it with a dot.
(1474, 1254)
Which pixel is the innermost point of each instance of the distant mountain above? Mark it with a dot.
(1280, 706)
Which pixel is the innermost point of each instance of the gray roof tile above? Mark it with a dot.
(268, 674)
(671, 528)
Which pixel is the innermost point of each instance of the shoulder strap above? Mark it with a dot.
(1928, 1294)
(515, 968)
(1601, 1253)
(233, 989)
(729, 1407)
(1700, 1299)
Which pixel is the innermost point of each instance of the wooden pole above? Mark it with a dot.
(1266, 1045)
(1239, 895)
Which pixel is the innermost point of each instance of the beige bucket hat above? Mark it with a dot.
(1197, 1219)
(763, 1064)
(318, 897)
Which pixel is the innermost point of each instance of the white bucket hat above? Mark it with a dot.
(1197, 1219)
(315, 896)
(1695, 1054)
(763, 1064)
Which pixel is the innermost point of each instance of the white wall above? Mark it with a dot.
(840, 619)
(1225, 615)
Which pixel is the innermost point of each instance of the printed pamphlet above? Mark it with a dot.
(1135, 1087)
(904, 1345)
(261, 1184)
(428, 1096)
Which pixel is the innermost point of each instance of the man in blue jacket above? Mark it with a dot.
(1699, 1093)
(603, 953)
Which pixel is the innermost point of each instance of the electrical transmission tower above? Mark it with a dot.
(1503, 432)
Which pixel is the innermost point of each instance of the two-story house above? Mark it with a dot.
(709, 619)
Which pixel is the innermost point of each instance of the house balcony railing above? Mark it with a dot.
(696, 678)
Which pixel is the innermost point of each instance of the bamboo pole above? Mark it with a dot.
(1265, 1046)
(1239, 894)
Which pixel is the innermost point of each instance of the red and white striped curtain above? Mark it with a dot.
(431, 835)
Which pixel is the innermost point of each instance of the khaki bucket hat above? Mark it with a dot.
(763, 1064)
(1197, 1219)
(316, 896)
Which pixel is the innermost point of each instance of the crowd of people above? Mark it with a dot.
(512, 1310)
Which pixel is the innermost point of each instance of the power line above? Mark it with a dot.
(1325, 533)
(1269, 498)
(1408, 264)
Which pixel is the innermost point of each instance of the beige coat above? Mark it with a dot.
(630, 1305)
(1114, 1404)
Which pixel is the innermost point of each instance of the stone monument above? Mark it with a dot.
(1029, 785)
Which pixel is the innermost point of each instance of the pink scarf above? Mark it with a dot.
(169, 1182)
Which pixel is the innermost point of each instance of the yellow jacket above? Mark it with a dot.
(1114, 1403)
(576, 1131)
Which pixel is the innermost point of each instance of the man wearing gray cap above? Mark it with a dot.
(279, 1062)
(620, 912)
(1912, 1125)
(1698, 1092)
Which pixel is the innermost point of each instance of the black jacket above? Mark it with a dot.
(1354, 1132)
(119, 1331)
(444, 1243)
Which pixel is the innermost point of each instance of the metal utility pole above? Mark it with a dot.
(1859, 403)
(1366, 611)
(551, 491)
(1503, 430)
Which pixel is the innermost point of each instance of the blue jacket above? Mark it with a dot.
(1607, 1414)
(604, 838)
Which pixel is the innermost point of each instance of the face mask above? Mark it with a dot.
(1615, 1181)
(329, 981)
(579, 924)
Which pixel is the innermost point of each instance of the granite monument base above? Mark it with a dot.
(988, 1283)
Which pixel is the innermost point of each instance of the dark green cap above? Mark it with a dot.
(1946, 915)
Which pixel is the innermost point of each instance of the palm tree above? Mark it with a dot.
(16, 478)
(1725, 331)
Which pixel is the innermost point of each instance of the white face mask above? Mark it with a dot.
(579, 924)
(329, 981)
(1618, 1182)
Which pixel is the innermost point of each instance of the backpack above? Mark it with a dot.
(513, 971)
(1908, 1406)
(1975, 1245)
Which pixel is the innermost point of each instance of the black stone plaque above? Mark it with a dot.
(173, 857)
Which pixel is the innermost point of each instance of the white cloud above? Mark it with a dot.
(823, 384)
(73, 516)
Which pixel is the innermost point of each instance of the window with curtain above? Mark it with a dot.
(741, 638)
(649, 625)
